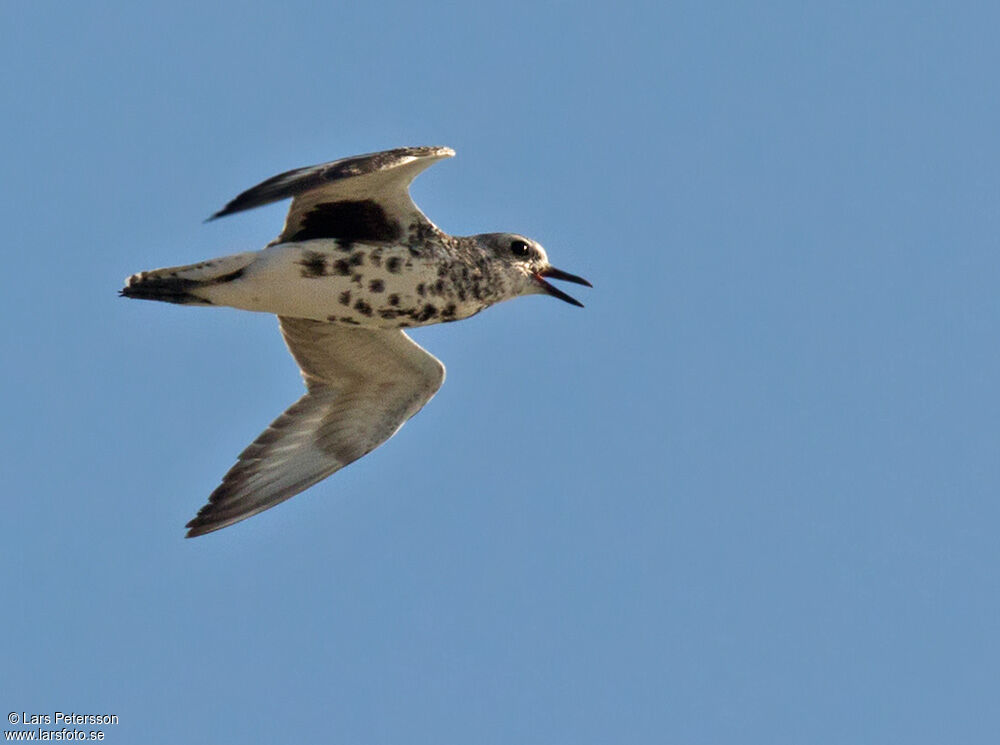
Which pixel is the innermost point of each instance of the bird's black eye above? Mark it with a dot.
(519, 248)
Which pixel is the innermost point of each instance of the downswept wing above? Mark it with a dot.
(363, 384)
(362, 198)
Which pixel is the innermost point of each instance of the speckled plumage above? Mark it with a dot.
(355, 263)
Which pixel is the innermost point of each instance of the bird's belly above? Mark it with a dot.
(356, 284)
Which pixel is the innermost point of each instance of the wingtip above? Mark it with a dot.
(195, 529)
(423, 151)
(201, 523)
(435, 152)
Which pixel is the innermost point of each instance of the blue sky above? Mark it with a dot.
(749, 494)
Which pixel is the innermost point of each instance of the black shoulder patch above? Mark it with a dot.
(348, 221)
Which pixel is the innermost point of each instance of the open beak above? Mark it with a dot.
(554, 273)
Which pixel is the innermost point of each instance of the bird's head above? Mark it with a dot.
(525, 266)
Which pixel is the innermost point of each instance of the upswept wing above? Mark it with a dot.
(362, 385)
(365, 198)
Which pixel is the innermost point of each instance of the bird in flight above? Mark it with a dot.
(355, 264)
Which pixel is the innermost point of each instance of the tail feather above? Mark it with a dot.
(181, 284)
(166, 289)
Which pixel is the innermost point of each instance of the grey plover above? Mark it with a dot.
(356, 263)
